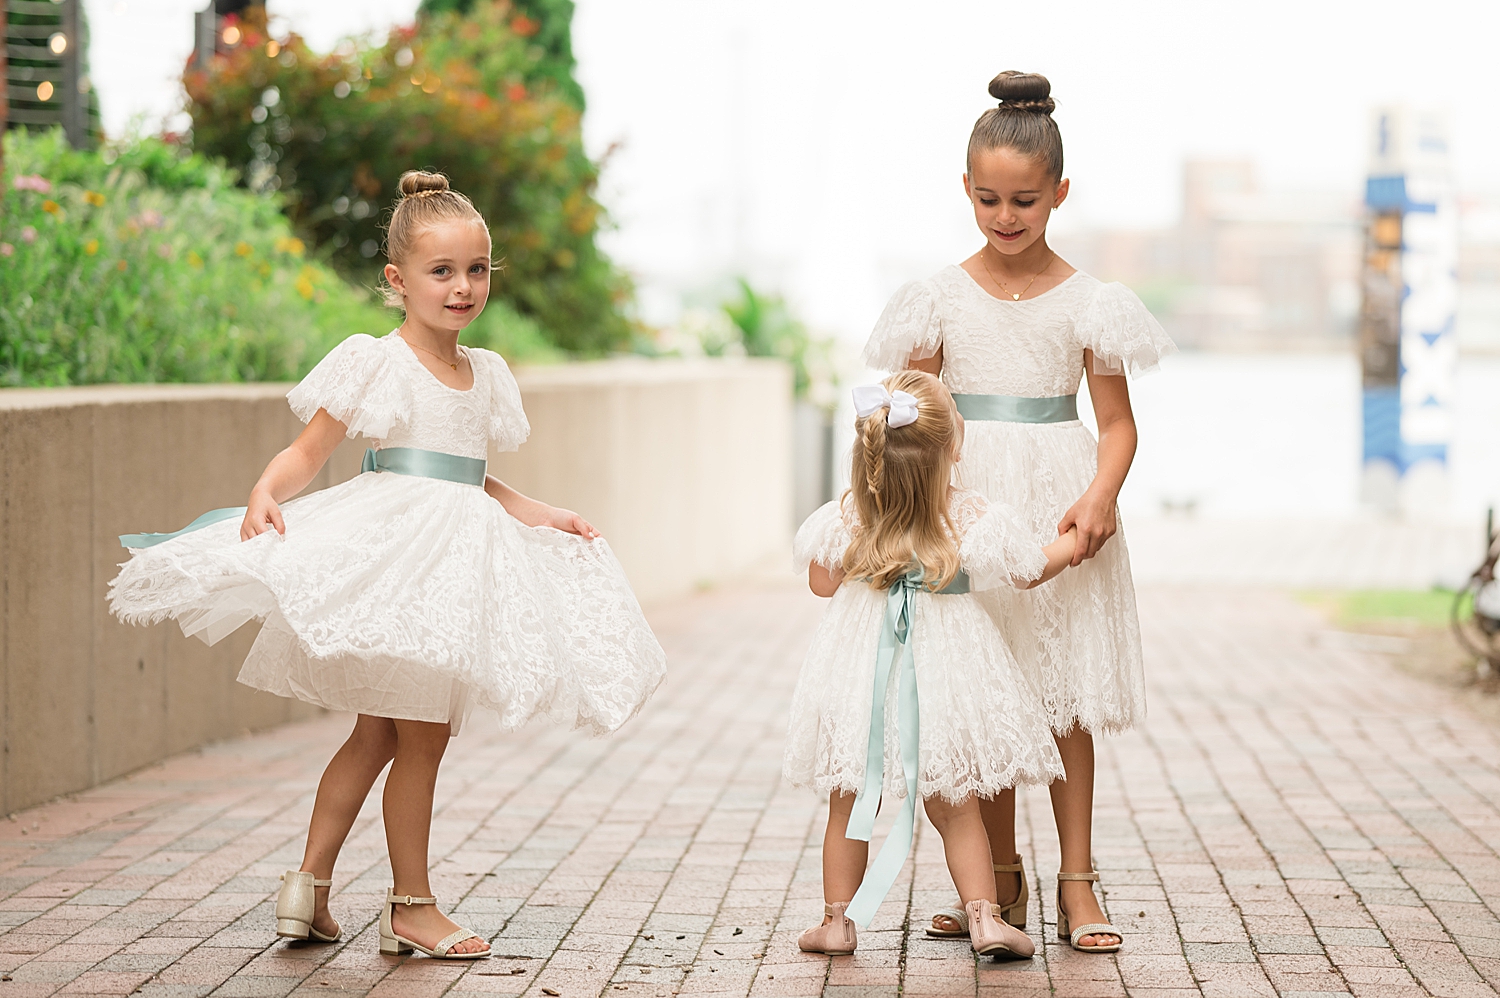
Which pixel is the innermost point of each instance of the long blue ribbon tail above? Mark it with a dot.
(211, 517)
(894, 650)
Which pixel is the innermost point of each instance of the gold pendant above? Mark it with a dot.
(1015, 297)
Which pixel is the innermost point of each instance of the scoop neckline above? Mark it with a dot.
(1004, 301)
(411, 352)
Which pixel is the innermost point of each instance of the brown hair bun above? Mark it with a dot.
(1023, 92)
(414, 182)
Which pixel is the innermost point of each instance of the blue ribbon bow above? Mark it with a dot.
(894, 652)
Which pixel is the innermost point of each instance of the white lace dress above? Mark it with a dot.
(980, 729)
(1077, 637)
(410, 597)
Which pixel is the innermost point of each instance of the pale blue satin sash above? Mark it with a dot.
(895, 652)
(397, 460)
(426, 464)
(1017, 408)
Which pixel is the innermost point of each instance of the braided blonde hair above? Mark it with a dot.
(899, 489)
(426, 200)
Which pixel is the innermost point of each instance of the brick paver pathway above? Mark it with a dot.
(1296, 819)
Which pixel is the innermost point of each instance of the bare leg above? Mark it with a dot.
(999, 816)
(844, 859)
(1073, 809)
(966, 846)
(341, 793)
(408, 823)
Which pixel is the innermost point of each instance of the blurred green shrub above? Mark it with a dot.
(470, 94)
(141, 264)
(553, 36)
(755, 324)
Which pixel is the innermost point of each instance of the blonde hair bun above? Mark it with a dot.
(414, 182)
(426, 200)
(1018, 91)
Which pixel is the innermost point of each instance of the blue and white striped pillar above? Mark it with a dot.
(1408, 348)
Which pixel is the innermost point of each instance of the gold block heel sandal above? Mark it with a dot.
(1092, 928)
(394, 945)
(1012, 914)
(295, 906)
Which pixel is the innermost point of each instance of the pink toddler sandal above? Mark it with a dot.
(835, 938)
(991, 935)
(1014, 913)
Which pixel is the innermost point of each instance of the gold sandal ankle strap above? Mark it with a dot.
(828, 908)
(407, 899)
(316, 881)
(1009, 867)
(1092, 876)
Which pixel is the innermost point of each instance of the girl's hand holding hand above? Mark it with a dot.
(262, 515)
(1093, 516)
(1059, 554)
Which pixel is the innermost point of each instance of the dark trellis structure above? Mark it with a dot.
(46, 68)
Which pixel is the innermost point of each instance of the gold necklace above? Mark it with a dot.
(1013, 295)
(451, 363)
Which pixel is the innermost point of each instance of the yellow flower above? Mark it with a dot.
(290, 244)
(91, 247)
(304, 285)
(264, 270)
(194, 260)
(243, 248)
(51, 207)
(94, 198)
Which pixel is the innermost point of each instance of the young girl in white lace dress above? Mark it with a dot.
(414, 591)
(908, 687)
(1011, 331)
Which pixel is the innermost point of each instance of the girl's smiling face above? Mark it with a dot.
(445, 278)
(1013, 195)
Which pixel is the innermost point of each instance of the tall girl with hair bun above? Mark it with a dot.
(418, 589)
(1011, 331)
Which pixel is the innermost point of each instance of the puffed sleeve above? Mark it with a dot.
(909, 328)
(509, 426)
(822, 538)
(1122, 332)
(359, 384)
(997, 550)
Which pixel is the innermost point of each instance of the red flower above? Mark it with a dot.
(516, 92)
(525, 26)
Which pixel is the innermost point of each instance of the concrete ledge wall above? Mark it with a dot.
(684, 465)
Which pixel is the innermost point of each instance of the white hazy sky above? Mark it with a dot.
(818, 143)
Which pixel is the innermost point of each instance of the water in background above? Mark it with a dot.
(1278, 435)
(1253, 436)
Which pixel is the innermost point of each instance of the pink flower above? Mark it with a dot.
(28, 235)
(6, 249)
(150, 219)
(32, 182)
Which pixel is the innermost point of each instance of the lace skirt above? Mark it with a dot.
(980, 727)
(411, 598)
(1077, 637)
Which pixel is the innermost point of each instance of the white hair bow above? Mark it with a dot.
(870, 399)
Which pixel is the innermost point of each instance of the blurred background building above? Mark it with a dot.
(1218, 168)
